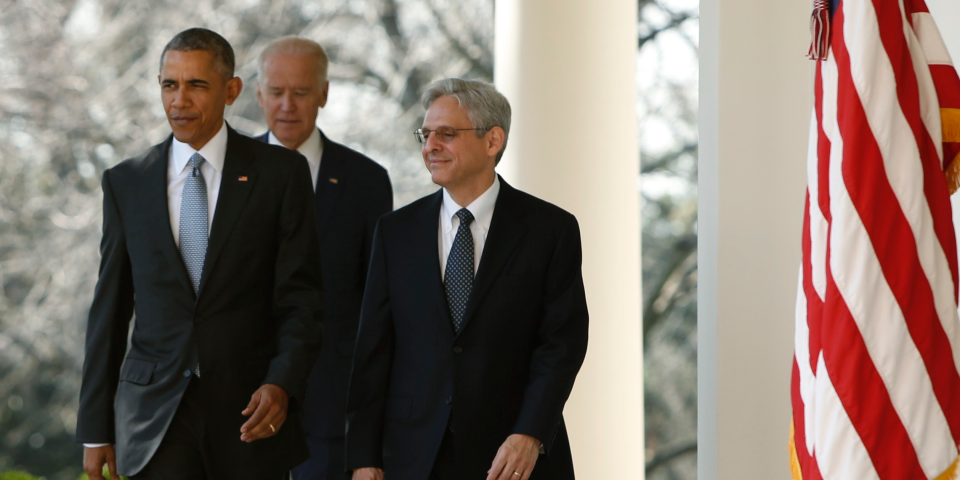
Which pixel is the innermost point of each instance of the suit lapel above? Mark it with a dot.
(506, 229)
(329, 182)
(233, 194)
(156, 213)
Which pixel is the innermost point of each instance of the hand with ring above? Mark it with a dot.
(515, 459)
(267, 411)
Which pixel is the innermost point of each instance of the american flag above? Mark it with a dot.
(876, 388)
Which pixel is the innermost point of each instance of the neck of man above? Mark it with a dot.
(464, 194)
(293, 144)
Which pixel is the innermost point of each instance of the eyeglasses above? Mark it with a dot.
(444, 134)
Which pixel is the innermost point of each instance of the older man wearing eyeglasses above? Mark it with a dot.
(474, 318)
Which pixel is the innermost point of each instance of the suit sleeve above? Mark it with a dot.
(298, 296)
(372, 362)
(562, 343)
(107, 328)
(379, 203)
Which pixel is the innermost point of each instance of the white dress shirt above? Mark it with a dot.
(214, 152)
(312, 149)
(482, 210)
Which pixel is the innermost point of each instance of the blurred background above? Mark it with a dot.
(78, 94)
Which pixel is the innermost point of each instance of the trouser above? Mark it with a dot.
(326, 460)
(445, 465)
(184, 452)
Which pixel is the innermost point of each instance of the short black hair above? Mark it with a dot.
(194, 39)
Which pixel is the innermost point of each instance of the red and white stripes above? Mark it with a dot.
(876, 388)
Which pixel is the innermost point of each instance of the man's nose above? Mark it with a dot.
(430, 143)
(286, 103)
(180, 98)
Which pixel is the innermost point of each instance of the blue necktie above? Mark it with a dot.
(193, 222)
(458, 278)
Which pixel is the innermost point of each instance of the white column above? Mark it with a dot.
(755, 101)
(567, 67)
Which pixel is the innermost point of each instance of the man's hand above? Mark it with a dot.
(95, 458)
(368, 473)
(515, 459)
(269, 408)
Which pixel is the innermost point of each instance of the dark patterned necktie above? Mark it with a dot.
(193, 222)
(458, 278)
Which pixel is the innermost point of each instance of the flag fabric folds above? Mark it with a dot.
(875, 385)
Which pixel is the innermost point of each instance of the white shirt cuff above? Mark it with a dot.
(96, 445)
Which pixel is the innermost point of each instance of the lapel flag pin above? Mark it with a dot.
(243, 178)
(334, 181)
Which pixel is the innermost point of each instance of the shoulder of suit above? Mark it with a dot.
(539, 209)
(138, 164)
(278, 156)
(410, 211)
(355, 159)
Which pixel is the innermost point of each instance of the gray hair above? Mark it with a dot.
(201, 39)
(486, 107)
(293, 45)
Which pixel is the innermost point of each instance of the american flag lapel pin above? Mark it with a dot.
(243, 178)
(334, 181)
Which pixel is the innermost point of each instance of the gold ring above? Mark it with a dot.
(274, 430)
(517, 473)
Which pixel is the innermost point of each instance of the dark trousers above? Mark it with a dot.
(184, 453)
(445, 465)
(326, 461)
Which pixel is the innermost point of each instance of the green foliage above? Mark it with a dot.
(17, 475)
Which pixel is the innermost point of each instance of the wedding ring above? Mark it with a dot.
(517, 473)
(274, 430)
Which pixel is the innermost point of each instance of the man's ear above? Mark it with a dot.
(234, 87)
(324, 90)
(495, 138)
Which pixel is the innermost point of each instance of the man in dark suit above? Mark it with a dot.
(210, 238)
(352, 192)
(474, 319)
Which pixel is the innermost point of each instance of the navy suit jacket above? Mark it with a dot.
(353, 191)
(256, 320)
(509, 370)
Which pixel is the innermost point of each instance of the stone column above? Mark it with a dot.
(567, 67)
(755, 103)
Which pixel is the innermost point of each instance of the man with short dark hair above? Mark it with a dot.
(474, 320)
(209, 237)
(352, 192)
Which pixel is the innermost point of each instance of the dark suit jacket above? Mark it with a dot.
(256, 320)
(509, 370)
(353, 192)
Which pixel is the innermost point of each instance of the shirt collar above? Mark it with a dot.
(481, 208)
(214, 152)
(312, 148)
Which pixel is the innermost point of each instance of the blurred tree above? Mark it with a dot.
(667, 83)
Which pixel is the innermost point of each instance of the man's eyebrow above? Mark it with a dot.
(198, 81)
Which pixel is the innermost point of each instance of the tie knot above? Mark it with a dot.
(465, 217)
(196, 161)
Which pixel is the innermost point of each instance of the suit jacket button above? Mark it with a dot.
(457, 349)
(186, 373)
(449, 400)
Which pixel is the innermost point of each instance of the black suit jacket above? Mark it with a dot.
(353, 192)
(509, 370)
(256, 320)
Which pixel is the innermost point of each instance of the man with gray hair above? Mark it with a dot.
(351, 193)
(474, 319)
